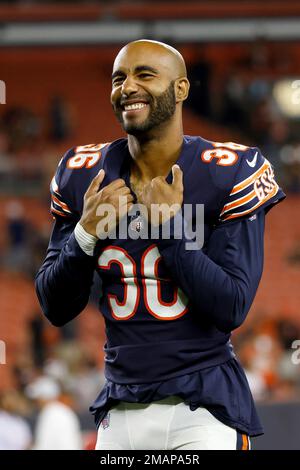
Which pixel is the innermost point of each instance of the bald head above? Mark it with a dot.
(152, 76)
(162, 54)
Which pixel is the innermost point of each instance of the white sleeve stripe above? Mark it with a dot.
(60, 204)
(238, 214)
(56, 211)
(239, 202)
(246, 182)
(54, 186)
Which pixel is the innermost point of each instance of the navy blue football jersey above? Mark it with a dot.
(168, 311)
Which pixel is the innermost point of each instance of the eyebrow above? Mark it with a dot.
(139, 68)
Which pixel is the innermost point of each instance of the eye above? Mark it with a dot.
(117, 81)
(145, 75)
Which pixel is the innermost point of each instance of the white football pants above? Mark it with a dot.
(167, 424)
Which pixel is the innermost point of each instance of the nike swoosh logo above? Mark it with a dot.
(252, 162)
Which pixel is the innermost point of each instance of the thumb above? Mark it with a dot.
(95, 183)
(177, 177)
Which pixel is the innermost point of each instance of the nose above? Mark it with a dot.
(129, 86)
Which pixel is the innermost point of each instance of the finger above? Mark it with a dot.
(126, 205)
(177, 177)
(158, 181)
(125, 199)
(95, 183)
(123, 191)
(117, 193)
(116, 184)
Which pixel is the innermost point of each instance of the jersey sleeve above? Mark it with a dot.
(59, 205)
(254, 188)
(221, 279)
(64, 280)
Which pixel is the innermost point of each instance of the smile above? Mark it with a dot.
(134, 106)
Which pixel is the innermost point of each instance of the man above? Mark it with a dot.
(57, 426)
(15, 433)
(172, 379)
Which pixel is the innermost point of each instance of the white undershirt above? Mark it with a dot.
(85, 240)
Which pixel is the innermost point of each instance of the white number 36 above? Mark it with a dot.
(151, 290)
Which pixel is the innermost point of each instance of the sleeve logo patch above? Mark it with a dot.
(265, 184)
(252, 162)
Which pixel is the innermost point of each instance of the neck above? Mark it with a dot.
(154, 154)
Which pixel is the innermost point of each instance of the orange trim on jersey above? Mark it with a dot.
(223, 160)
(54, 186)
(60, 204)
(273, 193)
(57, 212)
(91, 147)
(86, 163)
(246, 182)
(245, 445)
(239, 202)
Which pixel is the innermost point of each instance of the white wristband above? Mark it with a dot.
(85, 240)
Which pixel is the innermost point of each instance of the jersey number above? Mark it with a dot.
(223, 152)
(85, 156)
(125, 309)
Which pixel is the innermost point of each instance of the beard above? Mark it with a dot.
(162, 108)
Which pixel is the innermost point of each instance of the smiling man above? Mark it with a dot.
(172, 378)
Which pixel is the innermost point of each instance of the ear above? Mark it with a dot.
(182, 86)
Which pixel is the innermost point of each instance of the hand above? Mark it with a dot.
(116, 194)
(158, 192)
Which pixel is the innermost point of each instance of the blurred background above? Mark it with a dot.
(56, 57)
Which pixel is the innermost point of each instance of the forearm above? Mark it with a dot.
(64, 281)
(222, 281)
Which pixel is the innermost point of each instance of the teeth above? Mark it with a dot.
(128, 107)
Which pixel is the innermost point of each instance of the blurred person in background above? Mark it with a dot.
(57, 426)
(71, 365)
(60, 119)
(15, 433)
(265, 350)
(6, 165)
(200, 73)
(17, 256)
